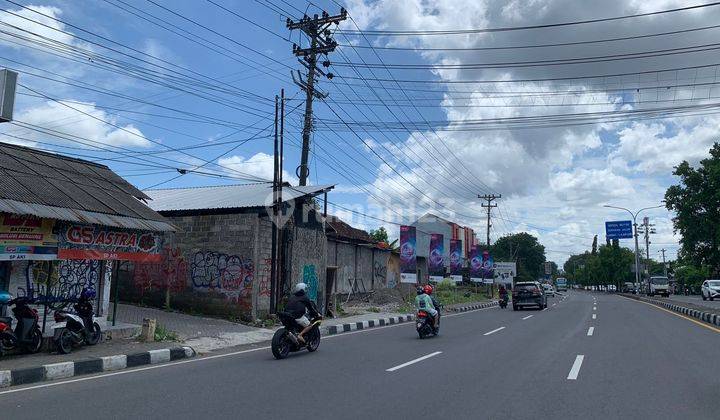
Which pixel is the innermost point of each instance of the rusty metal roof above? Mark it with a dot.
(226, 196)
(64, 188)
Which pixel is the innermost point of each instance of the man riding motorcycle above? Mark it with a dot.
(424, 302)
(298, 306)
(503, 293)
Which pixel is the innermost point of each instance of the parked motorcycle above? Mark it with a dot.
(286, 340)
(26, 334)
(424, 324)
(78, 328)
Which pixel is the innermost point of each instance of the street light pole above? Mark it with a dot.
(635, 226)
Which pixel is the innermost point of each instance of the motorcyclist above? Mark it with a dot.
(298, 306)
(424, 302)
(503, 293)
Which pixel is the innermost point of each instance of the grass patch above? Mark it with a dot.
(163, 334)
(374, 309)
(448, 293)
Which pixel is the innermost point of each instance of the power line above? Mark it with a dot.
(521, 28)
(532, 46)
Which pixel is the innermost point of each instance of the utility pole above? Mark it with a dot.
(276, 240)
(321, 42)
(664, 263)
(647, 228)
(490, 198)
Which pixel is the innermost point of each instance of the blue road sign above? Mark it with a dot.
(621, 229)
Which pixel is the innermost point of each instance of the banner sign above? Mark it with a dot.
(408, 256)
(621, 229)
(487, 268)
(88, 242)
(26, 237)
(456, 260)
(435, 265)
(505, 272)
(475, 265)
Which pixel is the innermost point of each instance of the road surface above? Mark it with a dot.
(590, 356)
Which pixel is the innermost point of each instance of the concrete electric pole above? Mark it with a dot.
(490, 198)
(321, 42)
(664, 263)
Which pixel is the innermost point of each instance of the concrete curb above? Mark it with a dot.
(472, 307)
(94, 365)
(710, 318)
(381, 322)
(363, 325)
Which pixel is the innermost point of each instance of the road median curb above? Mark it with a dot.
(363, 325)
(472, 307)
(65, 370)
(708, 317)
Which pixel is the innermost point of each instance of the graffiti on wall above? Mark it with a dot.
(170, 273)
(230, 275)
(264, 278)
(380, 273)
(59, 283)
(310, 278)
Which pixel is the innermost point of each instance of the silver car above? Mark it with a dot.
(710, 289)
(549, 291)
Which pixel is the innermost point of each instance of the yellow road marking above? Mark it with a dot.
(700, 323)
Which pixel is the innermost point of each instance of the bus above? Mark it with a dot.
(561, 284)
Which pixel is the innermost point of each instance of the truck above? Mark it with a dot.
(561, 284)
(658, 285)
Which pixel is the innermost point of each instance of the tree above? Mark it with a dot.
(594, 245)
(696, 202)
(379, 235)
(525, 250)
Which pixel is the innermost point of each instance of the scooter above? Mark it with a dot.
(424, 324)
(285, 340)
(27, 333)
(79, 328)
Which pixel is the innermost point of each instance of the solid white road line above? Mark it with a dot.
(590, 331)
(575, 369)
(554, 304)
(419, 359)
(594, 316)
(527, 317)
(494, 331)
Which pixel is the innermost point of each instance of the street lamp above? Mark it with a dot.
(637, 251)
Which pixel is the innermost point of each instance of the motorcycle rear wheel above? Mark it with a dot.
(280, 344)
(313, 339)
(35, 342)
(94, 336)
(64, 342)
(7, 342)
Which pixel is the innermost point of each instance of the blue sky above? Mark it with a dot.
(163, 90)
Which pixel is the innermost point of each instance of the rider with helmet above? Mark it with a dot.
(298, 306)
(424, 302)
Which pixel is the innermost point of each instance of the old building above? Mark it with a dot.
(356, 262)
(430, 223)
(219, 260)
(63, 221)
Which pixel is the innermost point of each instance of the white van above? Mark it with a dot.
(659, 285)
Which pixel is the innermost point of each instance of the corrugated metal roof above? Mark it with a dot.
(225, 196)
(55, 186)
(82, 216)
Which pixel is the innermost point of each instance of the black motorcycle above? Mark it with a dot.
(26, 334)
(424, 324)
(503, 302)
(79, 328)
(285, 340)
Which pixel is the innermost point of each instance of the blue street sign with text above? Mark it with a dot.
(621, 229)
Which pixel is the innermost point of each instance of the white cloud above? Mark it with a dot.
(259, 165)
(67, 122)
(39, 28)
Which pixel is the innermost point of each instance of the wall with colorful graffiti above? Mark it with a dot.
(308, 260)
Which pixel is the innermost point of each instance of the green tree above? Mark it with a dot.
(690, 276)
(696, 202)
(379, 235)
(525, 250)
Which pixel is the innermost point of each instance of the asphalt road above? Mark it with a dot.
(640, 362)
(697, 300)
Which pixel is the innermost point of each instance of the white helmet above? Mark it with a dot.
(300, 287)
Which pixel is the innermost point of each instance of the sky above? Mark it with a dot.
(150, 87)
